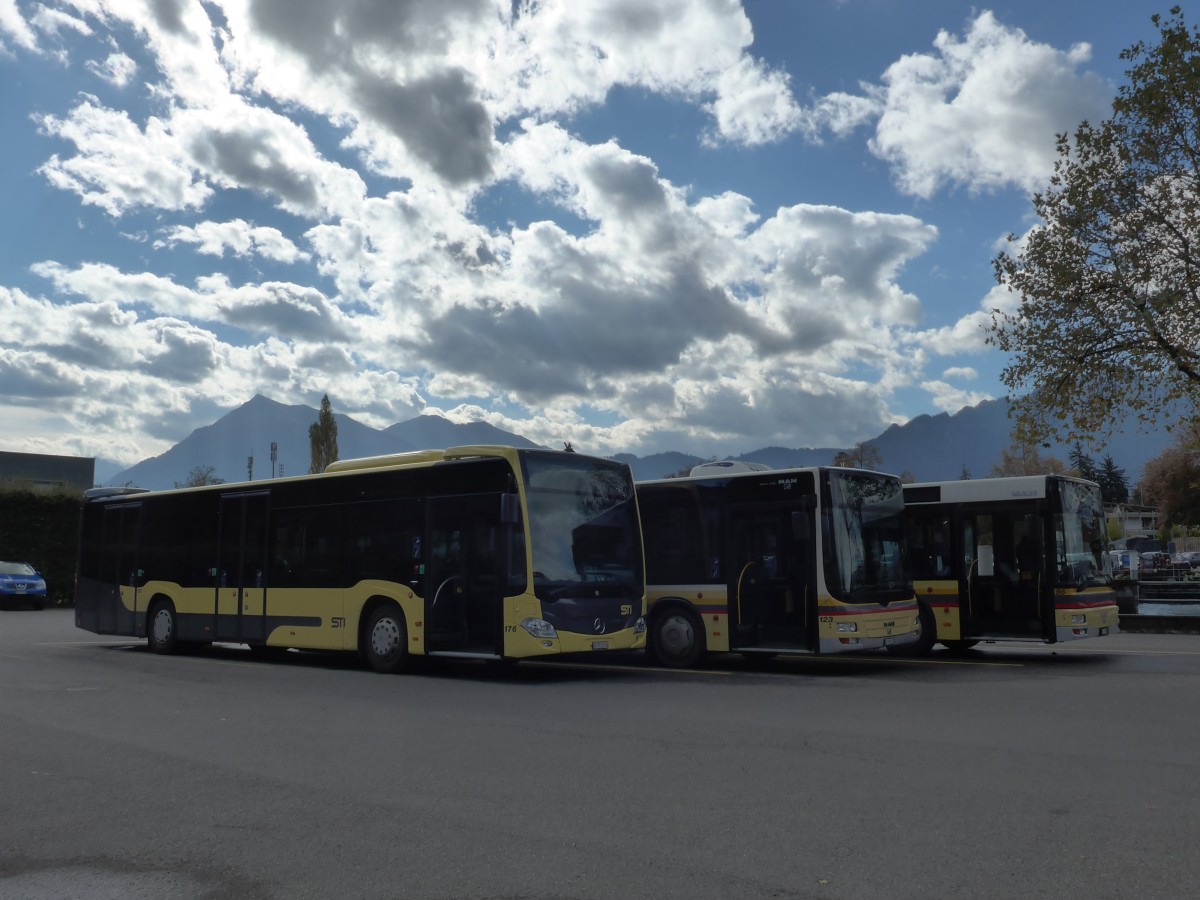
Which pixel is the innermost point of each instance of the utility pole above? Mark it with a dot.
(274, 456)
(249, 468)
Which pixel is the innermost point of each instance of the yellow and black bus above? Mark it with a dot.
(1010, 559)
(484, 551)
(796, 561)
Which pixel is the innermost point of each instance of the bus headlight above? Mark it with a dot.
(539, 628)
(639, 627)
(845, 627)
(1078, 620)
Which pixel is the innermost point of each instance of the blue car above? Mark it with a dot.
(21, 585)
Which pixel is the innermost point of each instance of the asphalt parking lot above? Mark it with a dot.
(1012, 771)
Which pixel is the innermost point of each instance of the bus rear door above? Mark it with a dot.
(117, 601)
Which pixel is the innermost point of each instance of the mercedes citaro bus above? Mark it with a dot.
(489, 552)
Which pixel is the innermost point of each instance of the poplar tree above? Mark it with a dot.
(322, 437)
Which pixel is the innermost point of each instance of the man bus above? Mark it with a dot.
(485, 552)
(1009, 559)
(795, 561)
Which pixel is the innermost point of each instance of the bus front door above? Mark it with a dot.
(241, 566)
(768, 601)
(463, 591)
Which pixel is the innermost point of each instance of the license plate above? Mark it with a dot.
(1103, 632)
(887, 642)
(599, 645)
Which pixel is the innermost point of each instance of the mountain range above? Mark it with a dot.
(928, 448)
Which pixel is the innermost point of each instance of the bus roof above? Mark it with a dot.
(727, 467)
(977, 490)
(412, 458)
(705, 473)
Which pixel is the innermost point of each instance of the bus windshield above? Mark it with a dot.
(863, 532)
(1080, 535)
(583, 526)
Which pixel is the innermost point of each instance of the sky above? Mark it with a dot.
(707, 226)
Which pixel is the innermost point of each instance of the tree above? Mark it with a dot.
(1109, 282)
(863, 456)
(1024, 459)
(322, 436)
(199, 476)
(1171, 481)
(1114, 486)
(1082, 463)
(965, 474)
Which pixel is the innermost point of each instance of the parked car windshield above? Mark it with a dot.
(16, 568)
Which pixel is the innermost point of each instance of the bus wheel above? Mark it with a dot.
(385, 640)
(925, 641)
(163, 630)
(675, 639)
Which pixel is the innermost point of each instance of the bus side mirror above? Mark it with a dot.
(510, 509)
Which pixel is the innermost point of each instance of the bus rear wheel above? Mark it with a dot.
(385, 640)
(162, 630)
(676, 639)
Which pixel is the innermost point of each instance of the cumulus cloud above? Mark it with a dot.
(238, 237)
(979, 111)
(118, 165)
(14, 29)
(116, 68)
(951, 399)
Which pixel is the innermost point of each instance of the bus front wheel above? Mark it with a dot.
(926, 640)
(385, 640)
(163, 630)
(676, 639)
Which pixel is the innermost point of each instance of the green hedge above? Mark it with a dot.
(42, 530)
